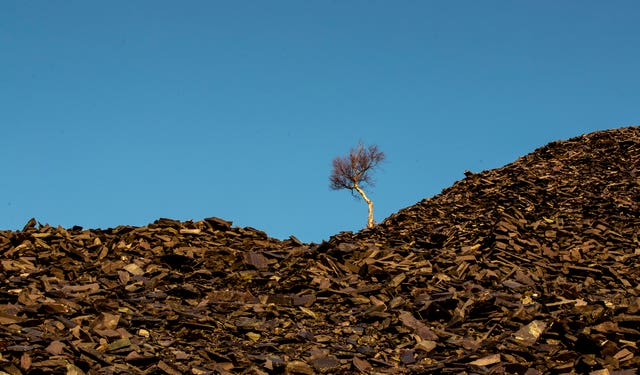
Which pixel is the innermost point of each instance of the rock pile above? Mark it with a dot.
(528, 269)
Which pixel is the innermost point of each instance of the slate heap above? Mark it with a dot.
(528, 269)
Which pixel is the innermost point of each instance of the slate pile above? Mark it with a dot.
(526, 269)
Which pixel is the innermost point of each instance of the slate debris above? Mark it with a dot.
(527, 269)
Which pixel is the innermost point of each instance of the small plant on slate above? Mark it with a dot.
(353, 171)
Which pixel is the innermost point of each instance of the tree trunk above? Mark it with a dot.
(369, 203)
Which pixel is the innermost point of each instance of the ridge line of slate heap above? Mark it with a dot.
(529, 269)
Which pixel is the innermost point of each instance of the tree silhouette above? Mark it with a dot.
(353, 171)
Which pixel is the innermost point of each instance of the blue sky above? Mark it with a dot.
(121, 112)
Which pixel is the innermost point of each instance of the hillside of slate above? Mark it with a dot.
(531, 268)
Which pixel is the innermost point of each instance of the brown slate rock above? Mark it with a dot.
(298, 367)
(529, 268)
(529, 334)
(420, 328)
(325, 363)
(256, 260)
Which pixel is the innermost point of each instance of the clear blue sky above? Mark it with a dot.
(121, 112)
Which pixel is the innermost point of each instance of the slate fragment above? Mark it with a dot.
(325, 363)
(256, 260)
(362, 364)
(486, 361)
(420, 328)
(298, 367)
(529, 334)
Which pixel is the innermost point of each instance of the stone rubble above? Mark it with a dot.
(526, 269)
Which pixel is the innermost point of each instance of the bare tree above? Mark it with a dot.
(353, 171)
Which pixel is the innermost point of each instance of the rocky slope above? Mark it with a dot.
(529, 269)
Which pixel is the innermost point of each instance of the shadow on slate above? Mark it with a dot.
(528, 269)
